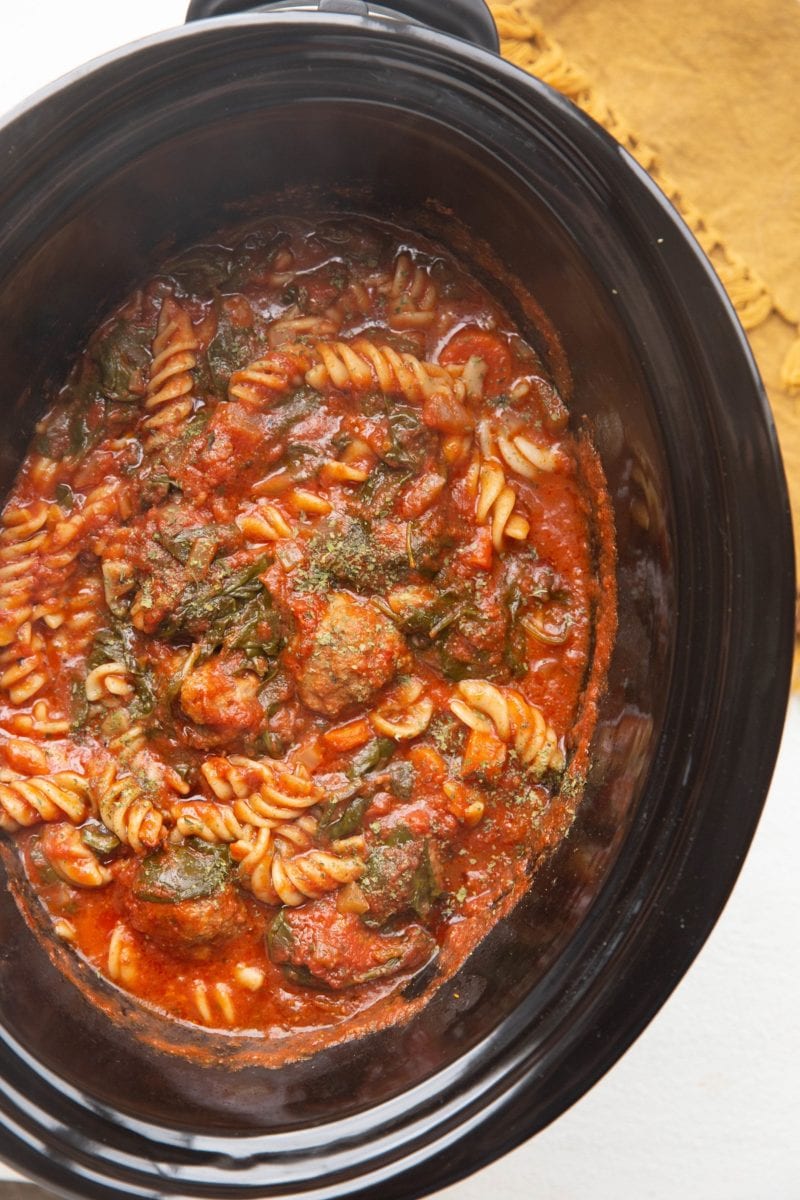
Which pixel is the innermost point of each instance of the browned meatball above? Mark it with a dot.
(181, 897)
(320, 946)
(356, 650)
(193, 928)
(223, 694)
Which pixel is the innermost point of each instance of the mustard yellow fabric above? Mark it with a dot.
(706, 98)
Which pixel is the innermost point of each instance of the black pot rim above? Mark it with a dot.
(682, 906)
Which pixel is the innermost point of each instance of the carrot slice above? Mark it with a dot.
(349, 736)
(428, 763)
(484, 754)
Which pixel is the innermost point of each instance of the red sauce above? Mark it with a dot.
(306, 602)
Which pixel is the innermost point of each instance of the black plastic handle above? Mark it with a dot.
(467, 19)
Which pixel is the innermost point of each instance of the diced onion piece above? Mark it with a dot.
(250, 978)
(351, 899)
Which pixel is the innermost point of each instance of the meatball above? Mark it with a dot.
(321, 947)
(474, 645)
(399, 878)
(223, 695)
(183, 900)
(192, 928)
(355, 651)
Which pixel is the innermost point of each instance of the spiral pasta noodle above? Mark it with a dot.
(405, 713)
(495, 505)
(485, 707)
(310, 875)
(111, 680)
(81, 615)
(263, 522)
(39, 721)
(354, 301)
(254, 852)
(293, 326)
(207, 820)
(275, 876)
(168, 398)
(23, 536)
(263, 794)
(23, 666)
(72, 860)
(361, 365)
(127, 812)
(104, 505)
(216, 996)
(29, 801)
(412, 296)
(528, 458)
(257, 384)
(121, 959)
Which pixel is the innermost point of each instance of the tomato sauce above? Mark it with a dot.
(306, 602)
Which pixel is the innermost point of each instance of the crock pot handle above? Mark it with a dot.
(467, 19)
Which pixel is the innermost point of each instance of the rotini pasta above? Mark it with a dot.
(263, 522)
(110, 680)
(527, 458)
(169, 400)
(71, 859)
(275, 875)
(310, 875)
(121, 960)
(503, 711)
(405, 713)
(129, 814)
(23, 666)
(207, 820)
(263, 794)
(28, 801)
(39, 721)
(355, 301)
(293, 326)
(214, 1000)
(412, 296)
(23, 536)
(261, 381)
(495, 504)
(362, 366)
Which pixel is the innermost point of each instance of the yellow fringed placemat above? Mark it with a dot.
(705, 99)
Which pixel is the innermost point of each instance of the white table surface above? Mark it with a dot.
(706, 1104)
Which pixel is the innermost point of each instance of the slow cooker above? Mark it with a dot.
(391, 110)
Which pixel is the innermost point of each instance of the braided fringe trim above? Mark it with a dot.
(524, 42)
